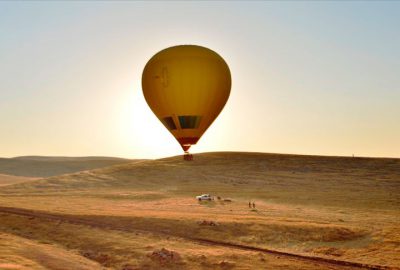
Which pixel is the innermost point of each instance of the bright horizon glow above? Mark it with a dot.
(314, 78)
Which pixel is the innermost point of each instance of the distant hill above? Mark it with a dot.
(368, 182)
(38, 166)
(57, 158)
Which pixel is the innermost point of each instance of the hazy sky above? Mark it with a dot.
(308, 77)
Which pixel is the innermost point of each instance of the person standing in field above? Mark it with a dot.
(249, 204)
(254, 205)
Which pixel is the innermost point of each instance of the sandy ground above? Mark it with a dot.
(332, 208)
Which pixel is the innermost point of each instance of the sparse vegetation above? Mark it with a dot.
(116, 216)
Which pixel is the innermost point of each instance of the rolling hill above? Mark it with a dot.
(320, 207)
(12, 179)
(369, 182)
(37, 166)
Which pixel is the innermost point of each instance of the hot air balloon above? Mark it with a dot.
(186, 87)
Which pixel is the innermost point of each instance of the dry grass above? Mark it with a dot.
(342, 208)
(21, 253)
(52, 246)
(326, 181)
(12, 179)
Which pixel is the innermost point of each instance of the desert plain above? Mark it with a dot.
(310, 212)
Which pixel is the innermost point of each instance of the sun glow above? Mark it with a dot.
(141, 131)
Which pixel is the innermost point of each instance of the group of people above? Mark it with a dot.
(252, 204)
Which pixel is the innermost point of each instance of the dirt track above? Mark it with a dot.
(100, 223)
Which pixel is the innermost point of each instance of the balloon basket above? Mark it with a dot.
(188, 157)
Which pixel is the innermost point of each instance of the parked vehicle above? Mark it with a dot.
(204, 197)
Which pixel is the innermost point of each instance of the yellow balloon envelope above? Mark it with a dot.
(186, 87)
